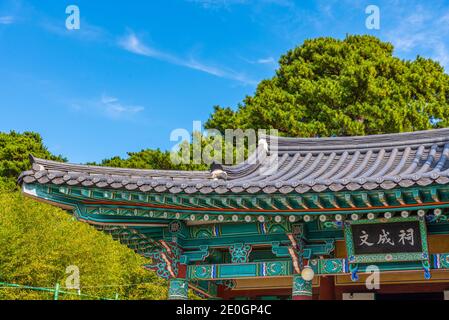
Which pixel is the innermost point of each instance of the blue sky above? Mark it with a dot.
(136, 70)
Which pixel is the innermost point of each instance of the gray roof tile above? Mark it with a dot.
(304, 164)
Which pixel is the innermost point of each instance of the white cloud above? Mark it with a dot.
(7, 20)
(441, 54)
(87, 31)
(226, 4)
(269, 60)
(133, 44)
(115, 109)
(424, 31)
(108, 106)
(217, 4)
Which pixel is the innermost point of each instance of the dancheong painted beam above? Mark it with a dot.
(325, 207)
(285, 268)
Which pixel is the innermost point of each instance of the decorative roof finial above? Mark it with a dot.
(217, 172)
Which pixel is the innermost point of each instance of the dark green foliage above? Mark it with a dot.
(149, 159)
(15, 149)
(344, 87)
(38, 242)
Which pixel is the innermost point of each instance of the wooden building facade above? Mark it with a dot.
(331, 213)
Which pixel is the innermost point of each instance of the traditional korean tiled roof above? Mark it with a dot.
(303, 165)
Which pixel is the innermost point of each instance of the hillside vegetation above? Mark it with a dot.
(38, 241)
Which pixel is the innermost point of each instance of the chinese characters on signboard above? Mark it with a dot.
(398, 237)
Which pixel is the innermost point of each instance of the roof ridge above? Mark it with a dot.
(381, 161)
(55, 165)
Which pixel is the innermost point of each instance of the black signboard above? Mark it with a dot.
(377, 238)
(386, 240)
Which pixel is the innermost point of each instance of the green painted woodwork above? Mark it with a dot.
(204, 289)
(278, 268)
(165, 259)
(178, 289)
(240, 252)
(210, 231)
(279, 250)
(226, 237)
(301, 287)
(316, 230)
(229, 241)
(239, 270)
(195, 256)
(329, 266)
(178, 229)
(440, 261)
(184, 207)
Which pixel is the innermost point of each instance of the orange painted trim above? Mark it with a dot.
(148, 205)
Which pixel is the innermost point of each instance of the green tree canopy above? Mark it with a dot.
(157, 159)
(344, 87)
(38, 242)
(148, 159)
(15, 149)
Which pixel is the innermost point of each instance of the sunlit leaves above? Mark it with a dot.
(355, 86)
(38, 242)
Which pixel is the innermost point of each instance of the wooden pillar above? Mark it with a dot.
(302, 289)
(327, 288)
(178, 288)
